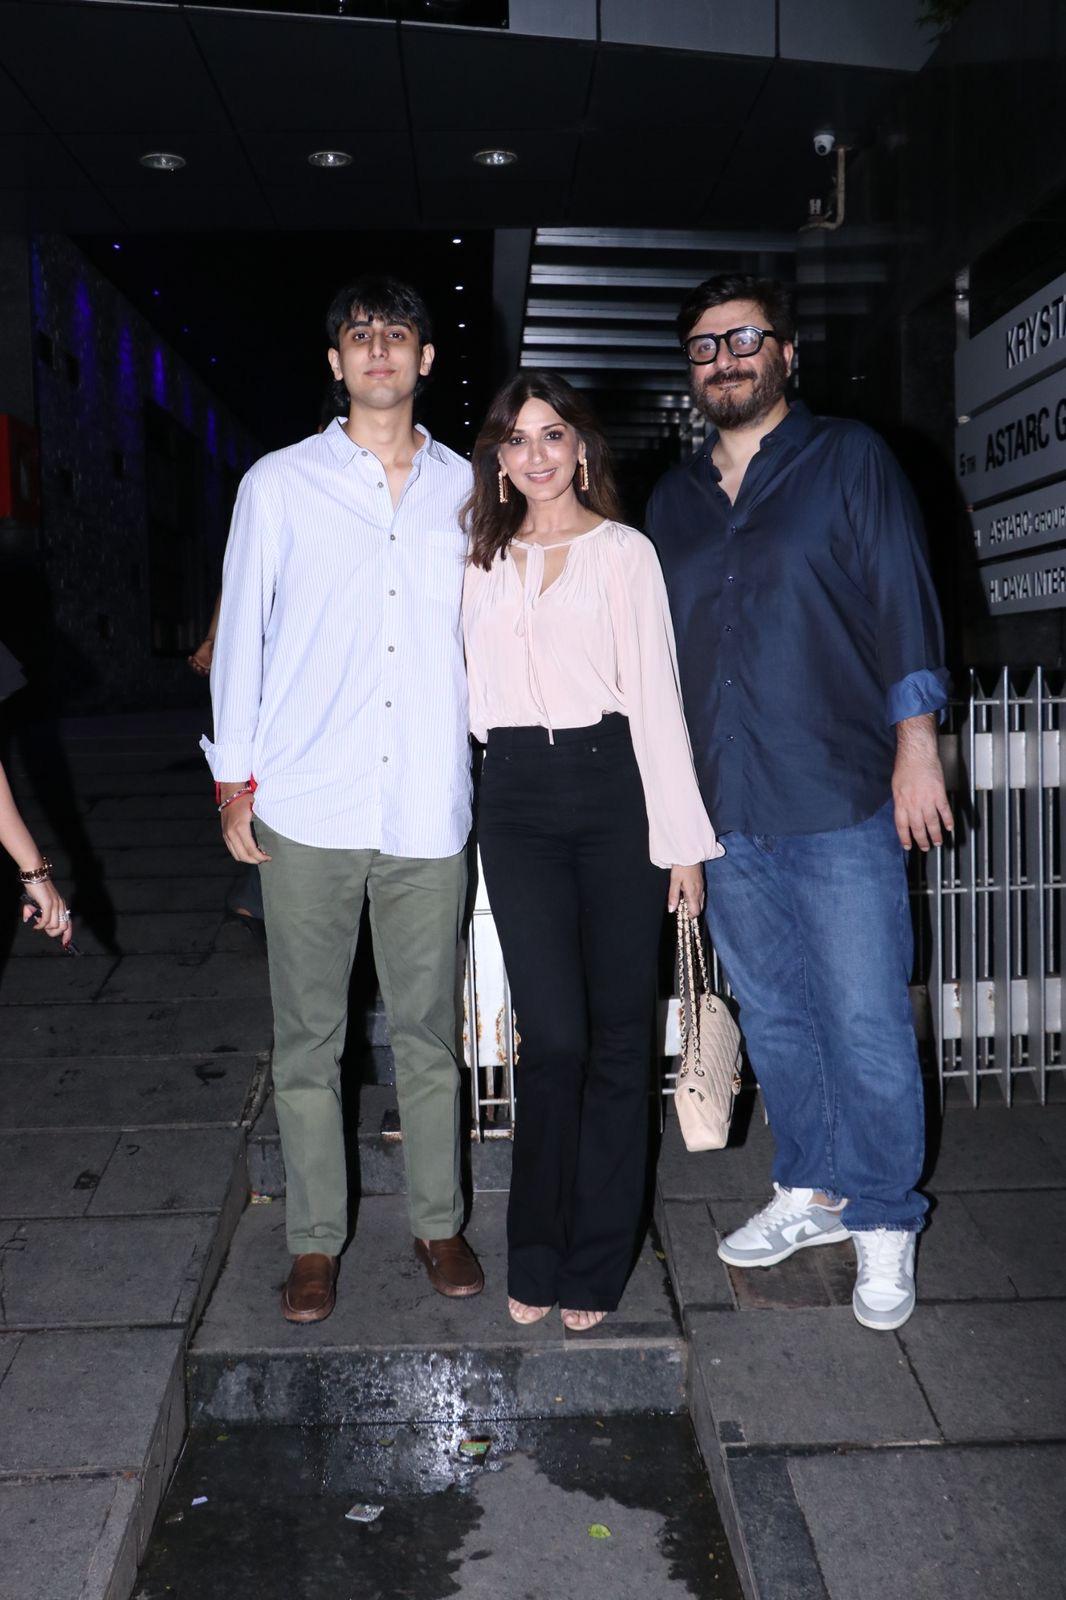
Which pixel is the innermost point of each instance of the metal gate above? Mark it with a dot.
(988, 912)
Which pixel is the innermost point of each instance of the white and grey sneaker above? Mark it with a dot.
(884, 1295)
(790, 1222)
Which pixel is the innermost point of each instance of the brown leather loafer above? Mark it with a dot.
(451, 1265)
(311, 1290)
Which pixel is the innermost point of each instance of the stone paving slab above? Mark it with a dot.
(60, 980)
(100, 1271)
(999, 1147)
(170, 1027)
(168, 1170)
(9, 1343)
(795, 1378)
(992, 1371)
(88, 1400)
(196, 891)
(218, 975)
(155, 861)
(981, 1524)
(138, 807)
(85, 1092)
(146, 932)
(689, 1238)
(159, 835)
(740, 1171)
(1027, 1231)
(395, 1348)
(52, 1173)
(70, 1538)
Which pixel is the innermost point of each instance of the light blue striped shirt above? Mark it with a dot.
(338, 676)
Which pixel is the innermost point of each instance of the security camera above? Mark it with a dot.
(824, 142)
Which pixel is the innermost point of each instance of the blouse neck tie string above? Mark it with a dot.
(531, 587)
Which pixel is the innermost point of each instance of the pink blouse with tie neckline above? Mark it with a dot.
(597, 640)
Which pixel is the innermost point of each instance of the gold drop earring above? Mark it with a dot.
(501, 480)
(584, 480)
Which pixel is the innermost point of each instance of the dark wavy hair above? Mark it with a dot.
(376, 296)
(775, 298)
(491, 526)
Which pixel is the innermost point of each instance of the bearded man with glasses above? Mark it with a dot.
(810, 651)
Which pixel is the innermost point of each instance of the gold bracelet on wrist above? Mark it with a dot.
(37, 874)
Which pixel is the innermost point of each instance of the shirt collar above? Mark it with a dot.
(345, 449)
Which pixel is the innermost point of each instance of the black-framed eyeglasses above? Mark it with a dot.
(702, 348)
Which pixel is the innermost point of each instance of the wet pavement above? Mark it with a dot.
(517, 1527)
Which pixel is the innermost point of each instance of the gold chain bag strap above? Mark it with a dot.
(709, 1066)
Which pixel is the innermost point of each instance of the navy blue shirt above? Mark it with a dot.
(807, 624)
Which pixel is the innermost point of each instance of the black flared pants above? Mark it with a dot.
(563, 832)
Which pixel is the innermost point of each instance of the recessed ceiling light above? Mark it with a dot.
(330, 158)
(457, 240)
(495, 158)
(163, 161)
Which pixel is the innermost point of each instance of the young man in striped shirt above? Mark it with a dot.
(338, 681)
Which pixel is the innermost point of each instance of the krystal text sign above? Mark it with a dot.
(1023, 345)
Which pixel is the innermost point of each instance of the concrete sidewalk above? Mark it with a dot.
(928, 1464)
(126, 1080)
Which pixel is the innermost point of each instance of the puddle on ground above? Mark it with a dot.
(617, 1508)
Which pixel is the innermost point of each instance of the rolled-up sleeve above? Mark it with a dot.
(248, 579)
(679, 830)
(895, 558)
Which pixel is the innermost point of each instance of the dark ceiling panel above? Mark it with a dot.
(473, 205)
(378, 159)
(544, 155)
(113, 160)
(664, 89)
(368, 205)
(37, 161)
(64, 211)
(16, 113)
(103, 69)
(168, 207)
(476, 80)
(307, 72)
(801, 97)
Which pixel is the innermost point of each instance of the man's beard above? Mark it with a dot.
(739, 407)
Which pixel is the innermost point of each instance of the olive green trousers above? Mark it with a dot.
(313, 900)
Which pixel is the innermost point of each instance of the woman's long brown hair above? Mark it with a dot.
(490, 525)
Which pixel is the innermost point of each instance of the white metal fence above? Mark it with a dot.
(988, 911)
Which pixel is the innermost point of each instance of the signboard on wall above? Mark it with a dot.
(1033, 583)
(1015, 443)
(1010, 456)
(1023, 345)
(1035, 517)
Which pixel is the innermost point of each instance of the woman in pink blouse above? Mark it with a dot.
(590, 824)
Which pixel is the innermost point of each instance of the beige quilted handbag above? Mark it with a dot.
(709, 1065)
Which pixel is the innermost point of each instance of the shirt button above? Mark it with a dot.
(729, 578)
(732, 527)
(392, 537)
(388, 703)
(380, 484)
(362, 452)
(392, 647)
(729, 627)
(384, 758)
(732, 736)
(729, 683)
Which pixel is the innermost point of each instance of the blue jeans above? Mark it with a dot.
(814, 933)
